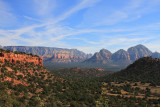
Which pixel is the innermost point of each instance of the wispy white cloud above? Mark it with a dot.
(85, 40)
(7, 41)
(114, 18)
(44, 7)
(32, 19)
(133, 10)
(54, 34)
(48, 31)
(6, 18)
(82, 5)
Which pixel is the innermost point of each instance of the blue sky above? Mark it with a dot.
(87, 25)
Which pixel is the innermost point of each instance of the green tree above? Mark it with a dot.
(5, 99)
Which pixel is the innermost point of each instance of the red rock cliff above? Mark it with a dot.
(65, 58)
(14, 58)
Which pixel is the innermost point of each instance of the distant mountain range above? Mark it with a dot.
(52, 54)
(122, 56)
(103, 57)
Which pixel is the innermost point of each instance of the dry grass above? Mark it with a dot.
(142, 86)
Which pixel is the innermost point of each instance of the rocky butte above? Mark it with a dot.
(64, 56)
(18, 57)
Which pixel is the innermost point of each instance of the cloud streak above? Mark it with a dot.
(44, 7)
(6, 18)
(99, 32)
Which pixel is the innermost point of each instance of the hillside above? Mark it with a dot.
(81, 72)
(24, 79)
(19, 57)
(145, 69)
(136, 86)
(24, 82)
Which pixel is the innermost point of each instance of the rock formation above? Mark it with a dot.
(53, 54)
(121, 55)
(102, 57)
(20, 58)
(138, 51)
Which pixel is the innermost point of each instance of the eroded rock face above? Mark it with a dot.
(64, 58)
(121, 55)
(52, 54)
(105, 53)
(102, 57)
(138, 51)
(97, 58)
(19, 58)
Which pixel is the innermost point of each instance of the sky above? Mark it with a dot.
(86, 25)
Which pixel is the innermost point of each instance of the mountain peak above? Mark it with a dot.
(104, 51)
(138, 51)
(121, 50)
(121, 55)
(139, 45)
(103, 56)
